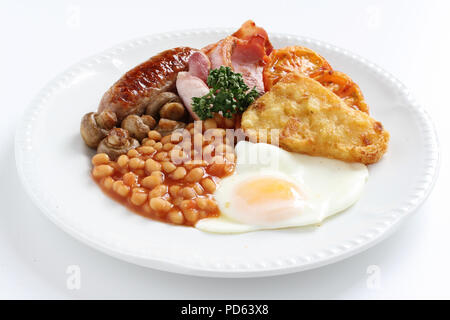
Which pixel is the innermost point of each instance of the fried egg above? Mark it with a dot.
(272, 188)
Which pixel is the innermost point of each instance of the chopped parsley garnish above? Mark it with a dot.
(228, 94)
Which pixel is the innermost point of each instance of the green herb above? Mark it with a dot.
(228, 94)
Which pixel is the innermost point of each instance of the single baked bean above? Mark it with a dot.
(136, 163)
(178, 174)
(141, 190)
(175, 216)
(188, 193)
(152, 165)
(161, 156)
(166, 139)
(159, 204)
(115, 166)
(130, 179)
(139, 196)
(155, 135)
(120, 188)
(177, 201)
(158, 174)
(100, 158)
(195, 175)
(209, 185)
(202, 203)
(168, 146)
(146, 150)
(198, 188)
(191, 215)
(148, 142)
(102, 171)
(158, 191)
(122, 161)
(212, 205)
(187, 204)
(173, 190)
(132, 153)
(158, 146)
(168, 166)
(151, 181)
(108, 183)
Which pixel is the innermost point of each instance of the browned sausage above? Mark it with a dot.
(133, 92)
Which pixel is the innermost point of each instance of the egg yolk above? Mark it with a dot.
(267, 189)
(266, 200)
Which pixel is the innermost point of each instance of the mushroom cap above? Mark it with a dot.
(173, 111)
(138, 127)
(116, 143)
(95, 126)
(161, 99)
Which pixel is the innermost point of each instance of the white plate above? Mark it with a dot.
(54, 166)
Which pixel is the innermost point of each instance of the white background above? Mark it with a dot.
(40, 39)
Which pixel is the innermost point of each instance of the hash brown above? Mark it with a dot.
(315, 121)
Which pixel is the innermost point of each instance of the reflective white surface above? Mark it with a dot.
(34, 254)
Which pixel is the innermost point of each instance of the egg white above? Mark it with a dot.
(328, 186)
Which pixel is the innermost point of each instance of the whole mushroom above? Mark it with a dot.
(138, 126)
(116, 143)
(95, 126)
(159, 101)
(172, 110)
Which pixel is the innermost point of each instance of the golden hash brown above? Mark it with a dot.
(315, 121)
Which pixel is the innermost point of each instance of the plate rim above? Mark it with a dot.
(290, 265)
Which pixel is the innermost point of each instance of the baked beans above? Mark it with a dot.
(161, 181)
(100, 158)
(122, 161)
(102, 171)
